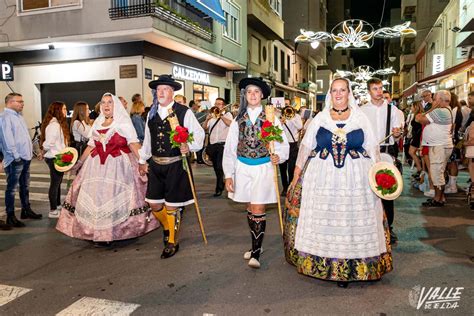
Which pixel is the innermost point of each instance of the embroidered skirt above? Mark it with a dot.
(331, 233)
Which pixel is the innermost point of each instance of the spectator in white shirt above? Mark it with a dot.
(80, 126)
(437, 135)
(54, 138)
(218, 127)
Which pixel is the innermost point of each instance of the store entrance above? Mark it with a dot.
(71, 92)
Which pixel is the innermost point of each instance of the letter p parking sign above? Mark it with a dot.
(6, 71)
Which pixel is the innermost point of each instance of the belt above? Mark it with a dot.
(253, 161)
(166, 160)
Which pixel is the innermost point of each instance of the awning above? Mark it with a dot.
(469, 27)
(212, 8)
(468, 41)
(410, 90)
(458, 68)
(282, 86)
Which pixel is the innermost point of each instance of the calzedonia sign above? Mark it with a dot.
(191, 74)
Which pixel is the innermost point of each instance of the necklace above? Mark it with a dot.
(339, 112)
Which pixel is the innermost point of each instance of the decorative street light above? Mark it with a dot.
(354, 34)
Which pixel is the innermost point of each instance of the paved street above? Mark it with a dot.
(44, 272)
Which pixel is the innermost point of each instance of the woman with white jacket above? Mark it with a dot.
(54, 138)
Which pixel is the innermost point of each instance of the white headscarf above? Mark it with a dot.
(122, 124)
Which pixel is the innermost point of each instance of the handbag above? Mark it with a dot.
(469, 141)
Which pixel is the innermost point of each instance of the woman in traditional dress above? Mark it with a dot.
(334, 224)
(106, 201)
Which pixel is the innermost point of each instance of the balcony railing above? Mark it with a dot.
(176, 12)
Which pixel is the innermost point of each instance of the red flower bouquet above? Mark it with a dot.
(180, 135)
(64, 159)
(386, 181)
(270, 132)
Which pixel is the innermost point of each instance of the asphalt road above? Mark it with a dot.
(45, 273)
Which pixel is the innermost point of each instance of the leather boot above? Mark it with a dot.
(4, 226)
(28, 213)
(257, 224)
(13, 221)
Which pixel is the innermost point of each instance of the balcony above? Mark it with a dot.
(407, 61)
(262, 18)
(177, 13)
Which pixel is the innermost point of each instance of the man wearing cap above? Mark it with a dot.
(248, 165)
(168, 188)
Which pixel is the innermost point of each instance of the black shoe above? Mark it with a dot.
(393, 237)
(342, 284)
(28, 213)
(14, 222)
(102, 244)
(218, 193)
(4, 226)
(169, 251)
(283, 193)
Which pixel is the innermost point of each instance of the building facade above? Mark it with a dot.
(78, 49)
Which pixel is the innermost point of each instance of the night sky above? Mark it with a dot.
(371, 11)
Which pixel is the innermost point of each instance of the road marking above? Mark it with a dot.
(97, 306)
(10, 293)
(38, 184)
(32, 175)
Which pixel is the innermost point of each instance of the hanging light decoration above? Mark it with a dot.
(354, 34)
(364, 73)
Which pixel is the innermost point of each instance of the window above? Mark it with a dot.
(255, 50)
(205, 93)
(275, 58)
(38, 5)
(276, 6)
(231, 29)
(288, 62)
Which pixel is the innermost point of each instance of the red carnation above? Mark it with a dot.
(67, 158)
(384, 180)
(267, 124)
(181, 135)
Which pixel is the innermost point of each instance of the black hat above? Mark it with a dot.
(266, 90)
(165, 80)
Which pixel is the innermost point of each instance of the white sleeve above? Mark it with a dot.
(395, 118)
(52, 134)
(230, 150)
(282, 149)
(193, 126)
(81, 128)
(370, 142)
(145, 151)
(309, 141)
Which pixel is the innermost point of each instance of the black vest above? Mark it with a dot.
(160, 133)
(250, 146)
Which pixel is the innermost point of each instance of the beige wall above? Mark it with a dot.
(28, 80)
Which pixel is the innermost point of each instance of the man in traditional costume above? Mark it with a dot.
(247, 162)
(169, 189)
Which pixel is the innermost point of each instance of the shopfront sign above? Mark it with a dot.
(184, 73)
(6, 71)
(128, 71)
(438, 63)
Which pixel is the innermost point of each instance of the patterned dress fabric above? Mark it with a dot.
(106, 201)
(334, 226)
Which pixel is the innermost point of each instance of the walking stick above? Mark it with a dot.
(196, 205)
(270, 115)
(173, 120)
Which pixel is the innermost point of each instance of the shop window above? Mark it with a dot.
(205, 93)
(255, 50)
(37, 5)
(231, 29)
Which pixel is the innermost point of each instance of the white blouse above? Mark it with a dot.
(80, 131)
(229, 160)
(54, 139)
